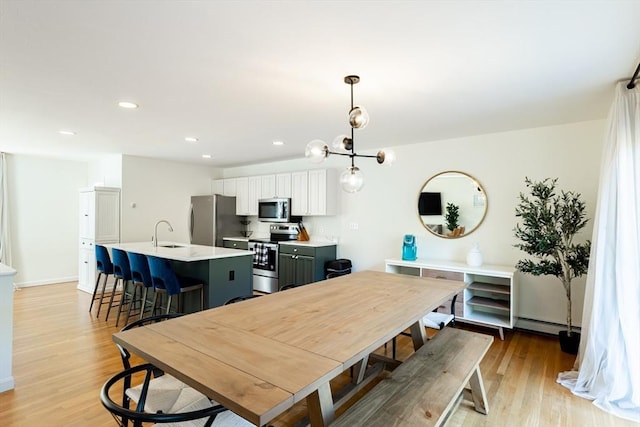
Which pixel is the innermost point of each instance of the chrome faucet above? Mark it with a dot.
(155, 231)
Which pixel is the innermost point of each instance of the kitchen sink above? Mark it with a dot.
(171, 246)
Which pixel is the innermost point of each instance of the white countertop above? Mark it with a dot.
(311, 243)
(237, 239)
(185, 252)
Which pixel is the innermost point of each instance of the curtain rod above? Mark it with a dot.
(632, 83)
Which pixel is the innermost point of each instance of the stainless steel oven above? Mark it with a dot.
(265, 265)
(265, 256)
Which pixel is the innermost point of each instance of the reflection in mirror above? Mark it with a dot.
(452, 204)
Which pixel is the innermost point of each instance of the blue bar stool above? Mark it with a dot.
(141, 278)
(104, 267)
(165, 281)
(122, 273)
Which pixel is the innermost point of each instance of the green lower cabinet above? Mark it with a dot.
(302, 264)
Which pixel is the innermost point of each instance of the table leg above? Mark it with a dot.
(320, 406)
(359, 370)
(418, 334)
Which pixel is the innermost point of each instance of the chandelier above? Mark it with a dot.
(351, 180)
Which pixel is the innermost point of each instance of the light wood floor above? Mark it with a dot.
(63, 355)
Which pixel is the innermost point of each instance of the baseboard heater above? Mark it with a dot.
(542, 326)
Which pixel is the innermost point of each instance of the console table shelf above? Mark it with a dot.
(489, 299)
(489, 302)
(488, 287)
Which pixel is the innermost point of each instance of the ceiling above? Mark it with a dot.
(239, 75)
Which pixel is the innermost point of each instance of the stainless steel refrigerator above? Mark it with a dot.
(211, 218)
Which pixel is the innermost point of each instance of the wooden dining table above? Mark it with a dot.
(261, 356)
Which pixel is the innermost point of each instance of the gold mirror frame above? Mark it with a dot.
(469, 203)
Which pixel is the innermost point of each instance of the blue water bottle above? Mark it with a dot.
(409, 249)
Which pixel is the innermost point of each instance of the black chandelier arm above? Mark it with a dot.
(352, 154)
(632, 82)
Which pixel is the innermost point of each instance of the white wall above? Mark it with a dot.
(385, 209)
(160, 190)
(105, 172)
(43, 209)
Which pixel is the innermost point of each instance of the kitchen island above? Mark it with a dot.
(226, 273)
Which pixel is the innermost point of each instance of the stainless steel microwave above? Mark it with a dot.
(274, 210)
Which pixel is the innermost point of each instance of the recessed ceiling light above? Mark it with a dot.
(66, 132)
(278, 142)
(206, 156)
(191, 139)
(127, 104)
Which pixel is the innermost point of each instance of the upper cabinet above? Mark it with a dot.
(312, 192)
(323, 190)
(267, 186)
(299, 193)
(283, 185)
(248, 191)
(100, 214)
(226, 187)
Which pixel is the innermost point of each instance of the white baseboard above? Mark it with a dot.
(7, 384)
(47, 282)
(542, 326)
(87, 290)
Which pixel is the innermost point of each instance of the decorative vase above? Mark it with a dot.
(474, 257)
(569, 344)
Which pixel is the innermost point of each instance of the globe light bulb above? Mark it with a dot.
(386, 157)
(351, 179)
(342, 143)
(358, 118)
(316, 151)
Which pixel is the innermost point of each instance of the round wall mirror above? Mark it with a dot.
(452, 204)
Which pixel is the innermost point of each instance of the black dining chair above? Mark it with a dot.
(199, 410)
(162, 393)
(241, 298)
(290, 286)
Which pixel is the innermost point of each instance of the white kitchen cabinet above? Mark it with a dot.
(248, 191)
(283, 185)
(226, 186)
(87, 264)
(323, 192)
(299, 193)
(99, 222)
(242, 196)
(255, 193)
(278, 185)
(268, 186)
(489, 298)
(217, 186)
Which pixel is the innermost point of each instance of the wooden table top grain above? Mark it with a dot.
(261, 356)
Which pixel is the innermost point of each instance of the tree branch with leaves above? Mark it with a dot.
(549, 224)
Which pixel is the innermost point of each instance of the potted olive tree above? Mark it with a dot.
(549, 224)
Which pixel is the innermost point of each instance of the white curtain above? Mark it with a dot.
(609, 357)
(5, 248)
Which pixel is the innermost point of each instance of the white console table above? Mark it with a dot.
(489, 298)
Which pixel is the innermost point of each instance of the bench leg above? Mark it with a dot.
(477, 392)
(320, 406)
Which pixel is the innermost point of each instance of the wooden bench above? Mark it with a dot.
(428, 386)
